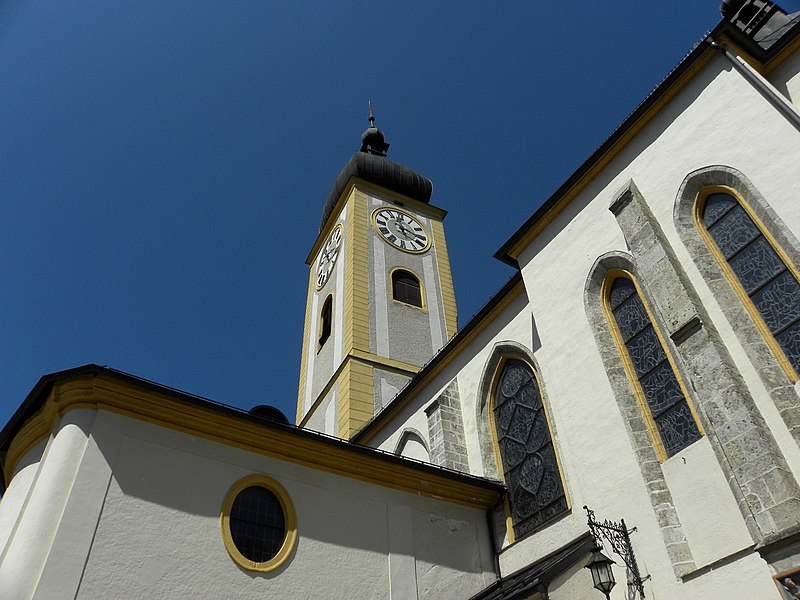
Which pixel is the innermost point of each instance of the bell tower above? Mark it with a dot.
(380, 298)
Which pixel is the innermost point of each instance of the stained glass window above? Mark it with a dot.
(258, 525)
(530, 468)
(663, 393)
(765, 278)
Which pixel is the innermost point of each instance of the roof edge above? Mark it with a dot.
(509, 251)
(242, 429)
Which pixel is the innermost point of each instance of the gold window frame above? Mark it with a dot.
(392, 271)
(699, 205)
(630, 371)
(510, 534)
(290, 520)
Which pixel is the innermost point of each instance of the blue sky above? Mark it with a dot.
(163, 164)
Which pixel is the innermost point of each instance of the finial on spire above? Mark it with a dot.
(372, 141)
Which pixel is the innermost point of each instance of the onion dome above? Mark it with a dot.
(370, 164)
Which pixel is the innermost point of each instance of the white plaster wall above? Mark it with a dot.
(727, 123)
(718, 119)
(786, 79)
(576, 584)
(692, 477)
(36, 529)
(13, 500)
(141, 509)
(514, 323)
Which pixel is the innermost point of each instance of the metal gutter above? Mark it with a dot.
(781, 104)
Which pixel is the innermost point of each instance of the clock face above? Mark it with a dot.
(401, 229)
(328, 256)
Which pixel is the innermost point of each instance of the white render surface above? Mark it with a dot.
(141, 508)
(704, 125)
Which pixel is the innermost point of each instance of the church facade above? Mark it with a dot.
(631, 393)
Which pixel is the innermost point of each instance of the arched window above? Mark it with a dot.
(763, 277)
(528, 456)
(406, 288)
(656, 382)
(325, 321)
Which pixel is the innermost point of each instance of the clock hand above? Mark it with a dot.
(403, 228)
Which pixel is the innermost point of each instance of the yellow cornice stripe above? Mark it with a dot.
(785, 53)
(445, 279)
(383, 362)
(301, 388)
(460, 343)
(603, 160)
(388, 363)
(103, 392)
(424, 208)
(367, 187)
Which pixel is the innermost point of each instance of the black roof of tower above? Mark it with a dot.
(370, 163)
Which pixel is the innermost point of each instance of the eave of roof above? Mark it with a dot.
(380, 171)
(523, 583)
(695, 59)
(222, 423)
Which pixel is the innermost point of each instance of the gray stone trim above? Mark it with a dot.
(448, 446)
(780, 388)
(759, 477)
(678, 550)
(408, 434)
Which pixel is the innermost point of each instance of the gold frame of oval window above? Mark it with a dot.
(290, 519)
(723, 263)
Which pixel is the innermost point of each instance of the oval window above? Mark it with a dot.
(258, 523)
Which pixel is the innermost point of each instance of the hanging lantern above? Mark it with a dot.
(602, 575)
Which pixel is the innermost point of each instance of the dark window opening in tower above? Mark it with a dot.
(406, 288)
(325, 321)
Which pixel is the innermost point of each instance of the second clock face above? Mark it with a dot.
(401, 229)
(328, 256)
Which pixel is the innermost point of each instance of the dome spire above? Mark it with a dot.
(372, 141)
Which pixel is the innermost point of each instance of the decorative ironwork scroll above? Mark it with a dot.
(618, 537)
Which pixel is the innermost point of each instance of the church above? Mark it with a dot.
(620, 420)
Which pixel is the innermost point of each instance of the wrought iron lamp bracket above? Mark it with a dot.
(618, 537)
